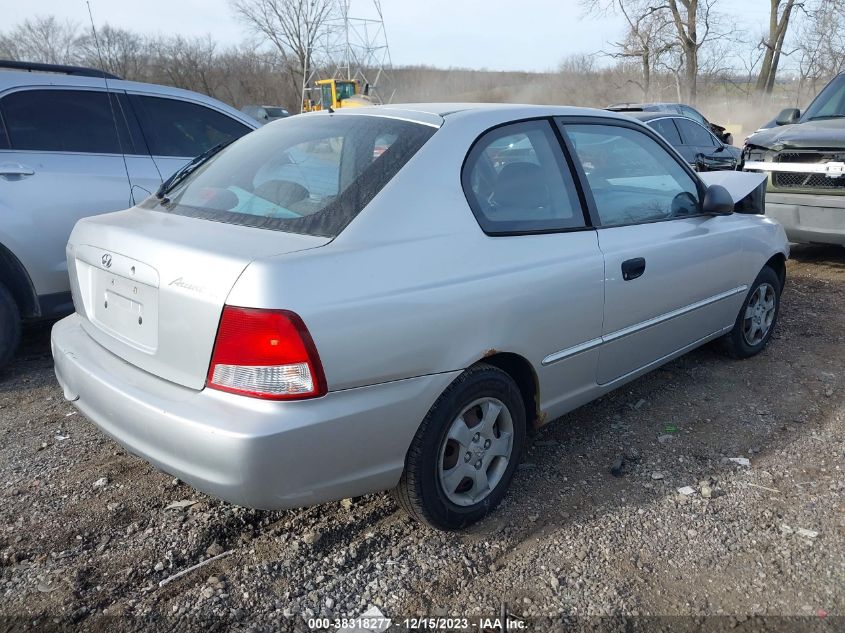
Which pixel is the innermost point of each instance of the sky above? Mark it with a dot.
(493, 34)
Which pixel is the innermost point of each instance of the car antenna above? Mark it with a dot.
(111, 102)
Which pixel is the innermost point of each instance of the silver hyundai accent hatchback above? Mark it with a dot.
(389, 298)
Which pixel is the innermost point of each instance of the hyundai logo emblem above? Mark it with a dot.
(106, 260)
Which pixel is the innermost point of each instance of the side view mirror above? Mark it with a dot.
(717, 201)
(788, 116)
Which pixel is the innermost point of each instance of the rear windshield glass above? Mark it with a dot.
(307, 174)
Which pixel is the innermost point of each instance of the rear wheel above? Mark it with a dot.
(465, 452)
(757, 318)
(10, 326)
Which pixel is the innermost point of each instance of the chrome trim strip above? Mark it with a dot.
(571, 351)
(607, 338)
(671, 315)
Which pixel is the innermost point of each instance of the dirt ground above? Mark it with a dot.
(86, 535)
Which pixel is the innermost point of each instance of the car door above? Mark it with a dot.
(63, 162)
(523, 194)
(177, 130)
(671, 273)
(708, 152)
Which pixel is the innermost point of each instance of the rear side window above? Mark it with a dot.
(666, 128)
(695, 134)
(632, 177)
(517, 181)
(305, 174)
(65, 121)
(179, 128)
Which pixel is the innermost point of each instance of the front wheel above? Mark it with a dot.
(465, 452)
(757, 318)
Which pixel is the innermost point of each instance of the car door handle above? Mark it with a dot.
(15, 169)
(633, 268)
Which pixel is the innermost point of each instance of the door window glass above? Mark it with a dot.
(632, 177)
(179, 128)
(516, 180)
(666, 128)
(695, 115)
(65, 121)
(695, 134)
(326, 95)
(345, 89)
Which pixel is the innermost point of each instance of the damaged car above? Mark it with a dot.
(676, 108)
(392, 298)
(803, 157)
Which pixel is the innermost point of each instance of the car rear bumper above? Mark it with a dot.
(256, 453)
(809, 217)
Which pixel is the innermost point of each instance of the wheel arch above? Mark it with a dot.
(777, 262)
(14, 276)
(523, 374)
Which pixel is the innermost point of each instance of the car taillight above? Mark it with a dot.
(265, 354)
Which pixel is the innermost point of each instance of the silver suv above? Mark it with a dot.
(75, 143)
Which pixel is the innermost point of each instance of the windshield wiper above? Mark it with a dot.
(187, 170)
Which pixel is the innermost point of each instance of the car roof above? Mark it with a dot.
(436, 113)
(635, 106)
(11, 79)
(651, 115)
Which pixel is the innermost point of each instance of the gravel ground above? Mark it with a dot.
(87, 531)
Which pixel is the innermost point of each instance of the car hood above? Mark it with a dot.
(823, 134)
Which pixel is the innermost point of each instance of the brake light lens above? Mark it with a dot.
(265, 354)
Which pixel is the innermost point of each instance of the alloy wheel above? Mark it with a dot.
(759, 314)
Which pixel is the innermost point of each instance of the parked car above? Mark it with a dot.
(264, 114)
(75, 143)
(696, 143)
(299, 320)
(804, 159)
(676, 108)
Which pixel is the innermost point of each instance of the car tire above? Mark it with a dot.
(757, 318)
(463, 442)
(10, 326)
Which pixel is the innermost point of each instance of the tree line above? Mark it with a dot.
(691, 39)
(672, 50)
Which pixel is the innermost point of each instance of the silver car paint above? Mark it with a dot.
(38, 210)
(412, 291)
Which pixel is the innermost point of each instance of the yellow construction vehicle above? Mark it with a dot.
(337, 93)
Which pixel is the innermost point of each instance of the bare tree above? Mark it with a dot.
(821, 42)
(696, 23)
(187, 63)
(292, 26)
(648, 39)
(659, 27)
(121, 52)
(780, 12)
(43, 39)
